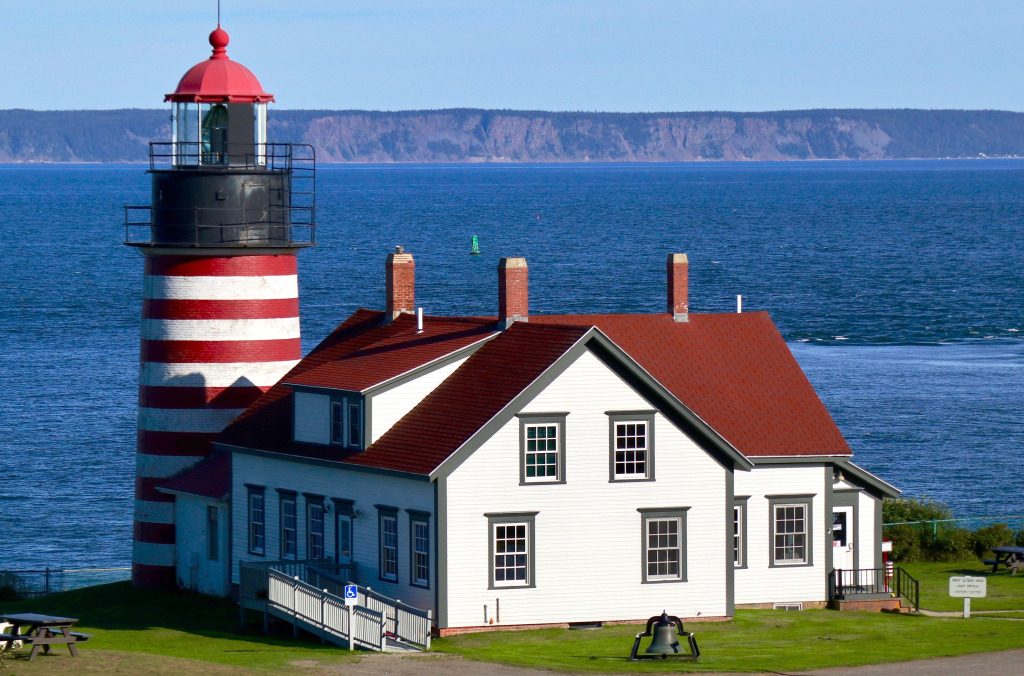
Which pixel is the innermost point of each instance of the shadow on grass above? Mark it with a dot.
(121, 607)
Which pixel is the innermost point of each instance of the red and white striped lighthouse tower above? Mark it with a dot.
(220, 308)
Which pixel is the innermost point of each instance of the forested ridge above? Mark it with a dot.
(472, 135)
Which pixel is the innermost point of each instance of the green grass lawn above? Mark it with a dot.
(174, 624)
(1004, 591)
(145, 631)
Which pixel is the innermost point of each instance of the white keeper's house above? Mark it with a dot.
(526, 470)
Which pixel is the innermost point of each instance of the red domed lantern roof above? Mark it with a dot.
(219, 79)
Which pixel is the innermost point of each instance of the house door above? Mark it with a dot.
(842, 538)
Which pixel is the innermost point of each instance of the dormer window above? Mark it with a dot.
(329, 418)
(347, 422)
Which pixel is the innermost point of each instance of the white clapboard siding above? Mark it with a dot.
(312, 418)
(366, 489)
(206, 576)
(758, 582)
(866, 535)
(389, 406)
(588, 531)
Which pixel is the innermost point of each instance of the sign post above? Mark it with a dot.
(967, 587)
(351, 600)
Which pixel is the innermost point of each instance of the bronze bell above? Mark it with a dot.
(664, 639)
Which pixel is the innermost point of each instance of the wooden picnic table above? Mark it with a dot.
(1011, 557)
(42, 631)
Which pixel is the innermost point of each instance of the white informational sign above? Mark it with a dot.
(967, 587)
(351, 595)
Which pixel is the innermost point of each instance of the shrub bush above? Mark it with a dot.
(996, 535)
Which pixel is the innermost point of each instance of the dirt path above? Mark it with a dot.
(390, 664)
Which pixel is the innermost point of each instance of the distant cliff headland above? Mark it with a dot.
(468, 135)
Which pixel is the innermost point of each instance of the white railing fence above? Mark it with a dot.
(324, 612)
(309, 592)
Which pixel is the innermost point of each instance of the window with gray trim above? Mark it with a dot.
(631, 440)
(739, 532)
(542, 448)
(791, 533)
(512, 556)
(419, 549)
(289, 525)
(315, 526)
(347, 421)
(664, 544)
(212, 533)
(257, 520)
(388, 539)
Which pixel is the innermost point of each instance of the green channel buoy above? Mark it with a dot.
(475, 246)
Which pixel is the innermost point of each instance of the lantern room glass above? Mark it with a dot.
(201, 133)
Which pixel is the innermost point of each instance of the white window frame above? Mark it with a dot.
(257, 520)
(419, 549)
(289, 524)
(316, 527)
(387, 534)
(739, 532)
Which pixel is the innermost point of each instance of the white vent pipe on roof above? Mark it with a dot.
(739, 304)
(419, 320)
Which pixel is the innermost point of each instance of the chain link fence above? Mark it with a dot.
(22, 584)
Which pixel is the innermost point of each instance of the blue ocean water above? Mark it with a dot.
(899, 286)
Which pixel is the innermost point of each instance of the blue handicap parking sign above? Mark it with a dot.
(351, 594)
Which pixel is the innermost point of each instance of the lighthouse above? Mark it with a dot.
(220, 301)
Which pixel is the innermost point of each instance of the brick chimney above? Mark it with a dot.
(401, 284)
(513, 292)
(678, 287)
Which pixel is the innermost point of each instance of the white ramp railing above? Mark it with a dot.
(325, 612)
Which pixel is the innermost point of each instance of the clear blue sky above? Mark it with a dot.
(608, 55)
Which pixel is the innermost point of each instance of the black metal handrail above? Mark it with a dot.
(843, 584)
(269, 156)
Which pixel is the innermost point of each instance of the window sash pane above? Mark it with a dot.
(511, 554)
(257, 523)
(737, 536)
(541, 450)
(389, 547)
(421, 552)
(790, 544)
(631, 449)
(664, 549)
(315, 544)
(289, 528)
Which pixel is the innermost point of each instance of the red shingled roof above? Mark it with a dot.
(396, 350)
(734, 371)
(376, 353)
(210, 478)
(467, 399)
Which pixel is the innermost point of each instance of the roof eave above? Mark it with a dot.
(338, 464)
